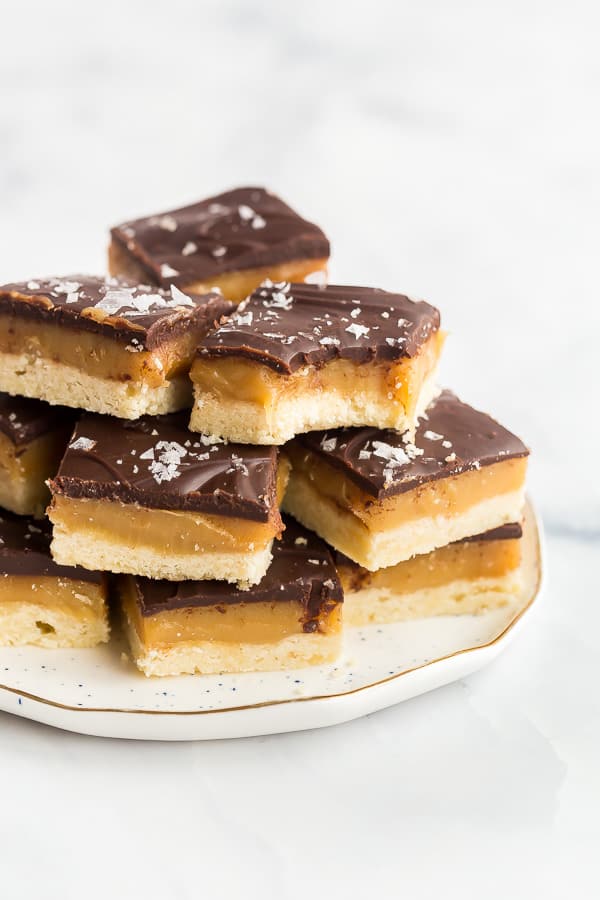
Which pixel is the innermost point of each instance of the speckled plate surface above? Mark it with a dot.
(100, 692)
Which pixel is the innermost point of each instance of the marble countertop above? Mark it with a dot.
(450, 151)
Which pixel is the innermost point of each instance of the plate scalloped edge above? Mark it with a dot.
(297, 704)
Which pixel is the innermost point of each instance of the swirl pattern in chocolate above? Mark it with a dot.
(25, 550)
(246, 228)
(302, 571)
(23, 420)
(156, 462)
(136, 314)
(287, 326)
(451, 439)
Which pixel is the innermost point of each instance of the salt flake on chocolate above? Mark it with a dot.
(433, 436)
(358, 330)
(165, 466)
(328, 444)
(82, 443)
(180, 298)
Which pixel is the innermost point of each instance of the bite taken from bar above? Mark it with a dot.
(292, 618)
(105, 345)
(381, 499)
(42, 603)
(297, 357)
(149, 498)
(232, 242)
(470, 576)
(33, 437)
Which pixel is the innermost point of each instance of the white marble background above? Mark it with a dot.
(450, 150)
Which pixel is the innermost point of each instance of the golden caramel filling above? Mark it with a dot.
(261, 622)
(170, 532)
(82, 600)
(234, 378)
(234, 286)
(442, 497)
(174, 532)
(24, 470)
(97, 354)
(465, 561)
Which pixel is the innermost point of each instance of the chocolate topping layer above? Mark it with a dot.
(510, 532)
(302, 571)
(287, 326)
(25, 550)
(247, 228)
(140, 316)
(452, 438)
(156, 462)
(22, 420)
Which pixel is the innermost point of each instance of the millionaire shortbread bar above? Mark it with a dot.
(231, 242)
(43, 603)
(470, 576)
(33, 437)
(104, 345)
(292, 618)
(298, 357)
(150, 498)
(380, 498)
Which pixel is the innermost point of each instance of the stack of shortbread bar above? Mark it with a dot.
(233, 473)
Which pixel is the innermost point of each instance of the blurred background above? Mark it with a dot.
(450, 150)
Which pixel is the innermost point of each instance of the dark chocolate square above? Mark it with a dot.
(302, 570)
(287, 326)
(139, 316)
(246, 228)
(156, 462)
(23, 420)
(451, 439)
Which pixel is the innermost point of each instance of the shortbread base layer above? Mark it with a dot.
(99, 553)
(220, 657)
(250, 423)
(57, 383)
(234, 286)
(377, 550)
(376, 605)
(52, 613)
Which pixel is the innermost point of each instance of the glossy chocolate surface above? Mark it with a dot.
(302, 571)
(156, 462)
(23, 420)
(287, 326)
(25, 550)
(139, 316)
(246, 228)
(453, 438)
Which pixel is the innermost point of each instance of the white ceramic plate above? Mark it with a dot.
(100, 692)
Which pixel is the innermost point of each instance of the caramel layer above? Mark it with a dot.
(248, 623)
(441, 497)
(235, 286)
(235, 378)
(97, 354)
(29, 467)
(81, 600)
(170, 532)
(468, 560)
